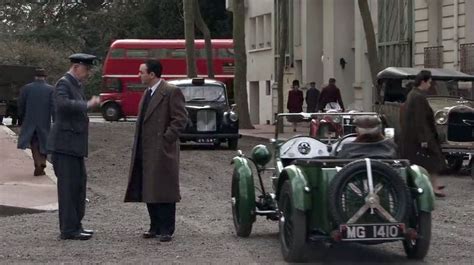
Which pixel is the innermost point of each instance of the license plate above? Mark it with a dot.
(363, 232)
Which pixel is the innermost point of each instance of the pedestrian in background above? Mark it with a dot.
(312, 98)
(295, 103)
(419, 138)
(154, 169)
(68, 142)
(331, 95)
(35, 109)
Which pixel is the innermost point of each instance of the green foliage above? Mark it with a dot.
(47, 31)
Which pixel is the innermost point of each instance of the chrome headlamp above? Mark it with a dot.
(441, 117)
(233, 117)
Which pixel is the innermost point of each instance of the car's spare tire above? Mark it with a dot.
(349, 189)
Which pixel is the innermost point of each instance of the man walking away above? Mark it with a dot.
(68, 142)
(330, 94)
(35, 109)
(312, 98)
(154, 169)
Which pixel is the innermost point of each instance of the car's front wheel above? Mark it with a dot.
(292, 226)
(418, 248)
(242, 228)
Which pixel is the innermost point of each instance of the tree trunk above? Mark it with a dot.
(283, 42)
(188, 7)
(240, 78)
(374, 62)
(201, 25)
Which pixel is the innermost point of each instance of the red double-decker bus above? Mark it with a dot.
(121, 85)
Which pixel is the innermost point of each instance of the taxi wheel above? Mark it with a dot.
(111, 112)
(454, 162)
(242, 229)
(418, 248)
(292, 226)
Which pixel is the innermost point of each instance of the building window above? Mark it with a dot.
(268, 88)
(260, 32)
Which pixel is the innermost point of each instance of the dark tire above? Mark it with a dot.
(292, 226)
(417, 249)
(454, 163)
(232, 143)
(242, 229)
(347, 193)
(111, 112)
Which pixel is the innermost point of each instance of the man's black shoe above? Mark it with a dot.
(80, 236)
(88, 231)
(165, 238)
(150, 234)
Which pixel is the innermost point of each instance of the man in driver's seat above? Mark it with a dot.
(370, 142)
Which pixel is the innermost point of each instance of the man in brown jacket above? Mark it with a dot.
(330, 94)
(154, 170)
(419, 138)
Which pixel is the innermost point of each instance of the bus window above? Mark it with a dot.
(117, 53)
(225, 53)
(178, 53)
(137, 53)
(112, 84)
(136, 87)
(160, 53)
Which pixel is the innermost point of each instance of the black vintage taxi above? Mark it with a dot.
(211, 119)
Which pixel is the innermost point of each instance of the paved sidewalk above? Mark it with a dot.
(20, 191)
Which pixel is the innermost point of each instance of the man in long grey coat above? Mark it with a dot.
(35, 109)
(154, 170)
(68, 143)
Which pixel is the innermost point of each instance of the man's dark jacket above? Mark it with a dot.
(312, 98)
(69, 134)
(35, 108)
(330, 93)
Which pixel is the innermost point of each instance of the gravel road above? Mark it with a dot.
(205, 232)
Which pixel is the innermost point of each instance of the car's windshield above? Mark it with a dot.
(203, 93)
(451, 88)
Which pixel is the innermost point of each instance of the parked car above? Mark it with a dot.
(450, 97)
(211, 119)
(318, 197)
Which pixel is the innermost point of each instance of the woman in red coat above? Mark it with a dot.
(295, 102)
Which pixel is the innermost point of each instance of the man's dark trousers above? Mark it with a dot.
(71, 174)
(162, 216)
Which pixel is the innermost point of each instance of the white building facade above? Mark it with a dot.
(326, 39)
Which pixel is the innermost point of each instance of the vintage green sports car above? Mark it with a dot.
(318, 197)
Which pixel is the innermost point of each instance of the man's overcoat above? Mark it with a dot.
(164, 119)
(418, 126)
(35, 109)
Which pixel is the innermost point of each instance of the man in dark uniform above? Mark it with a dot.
(312, 98)
(330, 94)
(35, 108)
(68, 143)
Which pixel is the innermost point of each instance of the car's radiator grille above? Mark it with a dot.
(206, 121)
(461, 126)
